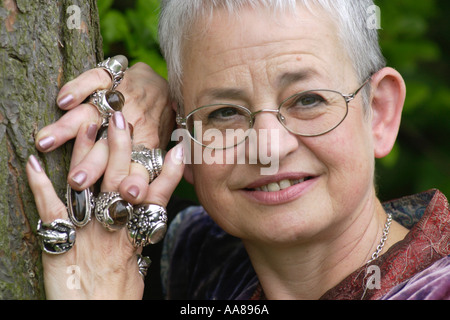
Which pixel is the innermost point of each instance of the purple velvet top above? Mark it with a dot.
(201, 261)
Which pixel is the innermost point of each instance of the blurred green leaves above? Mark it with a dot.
(132, 31)
(415, 38)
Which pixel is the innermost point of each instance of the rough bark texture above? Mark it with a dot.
(42, 46)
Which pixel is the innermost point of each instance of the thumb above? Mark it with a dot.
(161, 189)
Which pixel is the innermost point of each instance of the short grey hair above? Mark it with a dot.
(361, 41)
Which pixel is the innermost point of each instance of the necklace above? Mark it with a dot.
(387, 225)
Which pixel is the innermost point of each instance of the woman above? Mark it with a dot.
(309, 78)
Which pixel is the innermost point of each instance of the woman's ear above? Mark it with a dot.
(387, 99)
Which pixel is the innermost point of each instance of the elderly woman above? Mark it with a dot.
(303, 81)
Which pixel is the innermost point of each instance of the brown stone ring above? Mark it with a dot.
(112, 211)
(107, 102)
(79, 206)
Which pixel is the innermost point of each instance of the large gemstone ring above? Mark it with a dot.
(107, 102)
(80, 205)
(148, 224)
(112, 211)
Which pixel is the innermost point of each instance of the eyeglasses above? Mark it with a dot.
(309, 114)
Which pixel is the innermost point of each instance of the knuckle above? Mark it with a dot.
(53, 210)
(102, 77)
(158, 198)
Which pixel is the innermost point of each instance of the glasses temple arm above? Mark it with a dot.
(350, 97)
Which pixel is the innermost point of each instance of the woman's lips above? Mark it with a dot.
(270, 191)
(281, 185)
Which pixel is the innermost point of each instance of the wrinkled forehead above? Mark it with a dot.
(220, 41)
(221, 18)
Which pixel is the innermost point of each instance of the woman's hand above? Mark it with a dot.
(102, 264)
(147, 108)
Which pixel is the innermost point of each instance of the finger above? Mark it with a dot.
(66, 128)
(84, 143)
(119, 143)
(161, 189)
(133, 187)
(75, 91)
(49, 205)
(89, 170)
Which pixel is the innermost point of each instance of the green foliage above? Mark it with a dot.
(132, 31)
(415, 38)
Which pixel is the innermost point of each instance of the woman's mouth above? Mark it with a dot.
(270, 191)
(281, 185)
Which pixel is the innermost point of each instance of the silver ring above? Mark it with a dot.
(112, 211)
(115, 67)
(151, 159)
(56, 237)
(79, 206)
(107, 102)
(143, 264)
(148, 225)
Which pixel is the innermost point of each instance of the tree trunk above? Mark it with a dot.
(43, 44)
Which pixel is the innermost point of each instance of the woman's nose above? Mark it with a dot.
(271, 141)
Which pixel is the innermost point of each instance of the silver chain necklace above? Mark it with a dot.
(384, 237)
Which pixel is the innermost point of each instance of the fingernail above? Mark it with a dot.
(46, 142)
(79, 178)
(179, 153)
(119, 120)
(35, 164)
(65, 101)
(133, 191)
(92, 132)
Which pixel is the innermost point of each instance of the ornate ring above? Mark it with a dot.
(79, 206)
(152, 159)
(57, 237)
(112, 211)
(143, 264)
(115, 67)
(148, 225)
(107, 102)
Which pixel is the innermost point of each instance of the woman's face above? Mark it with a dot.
(258, 60)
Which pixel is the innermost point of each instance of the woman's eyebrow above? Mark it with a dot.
(223, 93)
(290, 77)
(283, 80)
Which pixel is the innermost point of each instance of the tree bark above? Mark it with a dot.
(43, 44)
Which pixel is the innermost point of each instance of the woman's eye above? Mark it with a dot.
(223, 113)
(309, 100)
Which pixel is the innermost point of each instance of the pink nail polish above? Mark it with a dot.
(133, 191)
(179, 153)
(35, 164)
(46, 143)
(119, 120)
(92, 132)
(65, 101)
(79, 178)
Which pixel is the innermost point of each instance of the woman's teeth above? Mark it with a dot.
(277, 186)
